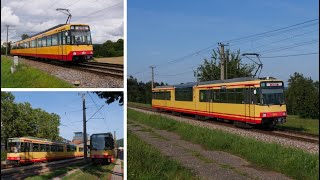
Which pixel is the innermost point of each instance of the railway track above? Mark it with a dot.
(105, 69)
(304, 137)
(36, 169)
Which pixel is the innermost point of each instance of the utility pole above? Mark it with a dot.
(115, 144)
(7, 41)
(222, 60)
(152, 80)
(84, 127)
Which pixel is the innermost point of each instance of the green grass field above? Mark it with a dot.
(145, 162)
(299, 124)
(139, 104)
(291, 162)
(28, 77)
(56, 172)
(92, 172)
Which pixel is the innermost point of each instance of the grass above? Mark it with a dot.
(91, 172)
(145, 162)
(294, 163)
(28, 77)
(3, 155)
(138, 104)
(56, 172)
(299, 124)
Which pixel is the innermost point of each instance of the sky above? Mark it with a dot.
(105, 17)
(68, 105)
(163, 31)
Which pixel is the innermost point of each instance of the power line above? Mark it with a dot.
(237, 39)
(99, 11)
(266, 32)
(281, 40)
(291, 55)
(290, 46)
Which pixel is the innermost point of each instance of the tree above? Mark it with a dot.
(111, 96)
(211, 69)
(24, 36)
(302, 96)
(20, 119)
(139, 91)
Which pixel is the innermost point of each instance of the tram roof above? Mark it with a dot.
(191, 84)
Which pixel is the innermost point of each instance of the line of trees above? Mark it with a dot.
(20, 119)
(108, 49)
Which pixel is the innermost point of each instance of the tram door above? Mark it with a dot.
(249, 101)
(62, 45)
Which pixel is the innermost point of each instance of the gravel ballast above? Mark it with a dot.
(85, 79)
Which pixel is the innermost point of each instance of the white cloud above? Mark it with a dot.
(7, 17)
(33, 16)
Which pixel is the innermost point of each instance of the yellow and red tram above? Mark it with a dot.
(102, 149)
(25, 150)
(64, 42)
(242, 100)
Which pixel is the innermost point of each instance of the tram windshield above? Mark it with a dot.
(80, 35)
(272, 94)
(13, 147)
(102, 142)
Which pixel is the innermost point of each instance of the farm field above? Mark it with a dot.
(291, 162)
(113, 60)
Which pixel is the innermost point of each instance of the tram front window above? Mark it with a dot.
(80, 35)
(14, 147)
(102, 142)
(272, 96)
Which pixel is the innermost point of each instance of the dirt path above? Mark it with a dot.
(117, 171)
(203, 163)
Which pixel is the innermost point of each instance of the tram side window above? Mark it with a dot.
(35, 147)
(184, 94)
(49, 42)
(42, 147)
(239, 96)
(205, 95)
(53, 148)
(80, 149)
(54, 39)
(161, 95)
(24, 147)
(231, 95)
(216, 95)
(39, 43)
(48, 148)
(32, 44)
(44, 41)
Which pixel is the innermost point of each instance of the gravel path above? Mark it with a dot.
(203, 163)
(308, 147)
(86, 79)
(117, 171)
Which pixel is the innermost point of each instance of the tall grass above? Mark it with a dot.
(291, 162)
(28, 77)
(145, 162)
(300, 124)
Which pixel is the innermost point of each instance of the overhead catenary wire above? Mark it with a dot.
(291, 55)
(266, 33)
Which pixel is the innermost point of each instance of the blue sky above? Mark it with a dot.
(160, 31)
(68, 105)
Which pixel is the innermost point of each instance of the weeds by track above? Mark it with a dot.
(36, 169)
(304, 137)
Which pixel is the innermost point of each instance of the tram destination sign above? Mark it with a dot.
(273, 84)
